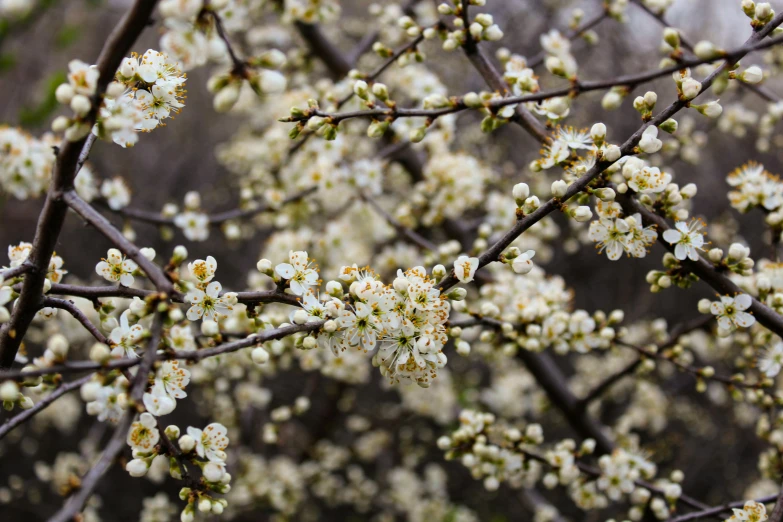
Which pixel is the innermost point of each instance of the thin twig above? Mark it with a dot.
(183, 355)
(77, 314)
(714, 511)
(402, 230)
(94, 218)
(26, 415)
(577, 87)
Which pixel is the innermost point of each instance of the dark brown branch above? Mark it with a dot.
(195, 355)
(96, 292)
(576, 87)
(16, 271)
(216, 219)
(337, 65)
(253, 340)
(94, 218)
(26, 415)
(70, 367)
(605, 385)
(66, 166)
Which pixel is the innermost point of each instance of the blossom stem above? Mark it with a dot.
(77, 314)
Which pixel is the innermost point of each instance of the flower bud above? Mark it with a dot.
(705, 50)
(669, 126)
(690, 88)
(583, 214)
(612, 153)
(520, 192)
(360, 89)
(559, 188)
(264, 266)
(226, 98)
(752, 74)
(9, 391)
(64, 93)
(259, 356)
(186, 443)
(598, 133)
(136, 468)
(210, 328)
(300, 317)
(80, 104)
(672, 37)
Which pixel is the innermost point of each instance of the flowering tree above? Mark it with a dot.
(433, 299)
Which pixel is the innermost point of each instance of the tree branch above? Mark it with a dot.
(706, 271)
(493, 253)
(94, 218)
(26, 415)
(577, 87)
(572, 35)
(402, 231)
(65, 169)
(77, 314)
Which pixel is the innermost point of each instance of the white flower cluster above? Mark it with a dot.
(559, 60)
(498, 452)
(404, 320)
(206, 299)
(146, 90)
(618, 235)
(25, 163)
(453, 183)
(754, 187)
(536, 314)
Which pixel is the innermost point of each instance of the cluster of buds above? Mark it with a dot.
(12, 396)
(78, 94)
(673, 274)
(644, 105)
(760, 14)
(687, 86)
